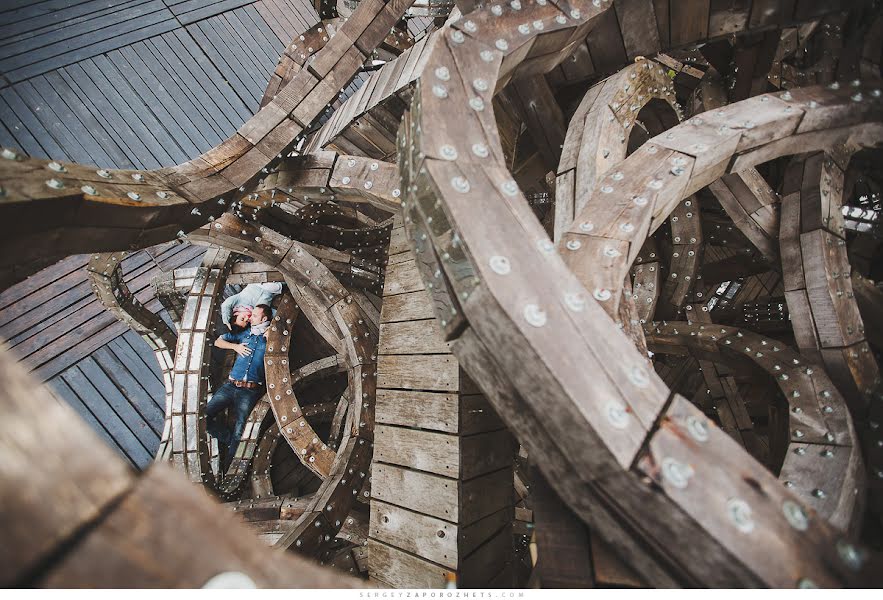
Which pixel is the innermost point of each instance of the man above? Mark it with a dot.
(246, 383)
(236, 310)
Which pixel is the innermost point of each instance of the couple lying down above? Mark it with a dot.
(247, 315)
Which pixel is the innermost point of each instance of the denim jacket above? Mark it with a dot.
(251, 367)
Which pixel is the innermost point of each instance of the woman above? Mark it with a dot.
(238, 307)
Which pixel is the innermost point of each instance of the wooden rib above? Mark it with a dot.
(310, 450)
(190, 446)
(261, 482)
(524, 330)
(340, 320)
(686, 158)
(106, 273)
(598, 134)
(819, 423)
(825, 317)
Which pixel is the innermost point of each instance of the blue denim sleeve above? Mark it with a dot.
(233, 338)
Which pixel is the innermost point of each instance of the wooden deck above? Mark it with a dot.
(122, 84)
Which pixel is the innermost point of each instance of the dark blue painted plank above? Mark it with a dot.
(60, 389)
(98, 127)
(82, 133)
(103, 110)
(199, 97)
(122, 405)
(203, 70)
(126, 382)
(23, 113)
(46, 24)
(57, 127)
(171, 82)
(122, 435)
(76, 55)
(152, 132)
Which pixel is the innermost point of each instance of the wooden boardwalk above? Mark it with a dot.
(122, 84)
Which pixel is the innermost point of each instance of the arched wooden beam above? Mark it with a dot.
(602, 424)
(825, 317)
(106, 273)
(685, 261)
(823, 461)
(681, 161)
(365, 123)
(302, 49)
(261, 481)
(115, 528)
(817, 275)
(190, 446)
(230, 484)
(66, 208)
(328, 175)
(745, 196)
(598, 135)
(313, 452)
(338, 317)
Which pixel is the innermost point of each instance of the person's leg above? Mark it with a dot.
(221, 400)
(243, 405)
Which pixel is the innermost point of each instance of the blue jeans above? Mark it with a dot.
(241, 401)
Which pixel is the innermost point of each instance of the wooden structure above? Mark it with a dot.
(442, 479)
(576, 293)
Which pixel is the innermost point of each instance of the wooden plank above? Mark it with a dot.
(404, 570)
(445, 454)
(412, 337)
(428, 537)
(436, 411)
(123, 437)
(438, 372)
(689, 21)
(410, 306)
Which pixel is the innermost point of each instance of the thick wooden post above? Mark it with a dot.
(442, 479)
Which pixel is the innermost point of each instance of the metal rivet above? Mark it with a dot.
(617, 415)
(534, 315)
(795, 515)
(575, 301)
(676, 473)
(740, 515)
(500, 265)
(697, 428)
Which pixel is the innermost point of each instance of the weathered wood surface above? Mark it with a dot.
(348, 329)
(819, 422)
(87, 541)
(598, 415)
(156, 205)
(442, 474)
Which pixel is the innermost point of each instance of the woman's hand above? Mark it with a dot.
(241, 349)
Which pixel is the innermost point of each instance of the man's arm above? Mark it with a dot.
(240, 349)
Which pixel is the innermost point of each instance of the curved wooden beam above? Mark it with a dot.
(340, 320)
(825, 317)
(190, 445)
(310, 450)
(681, 161)
(71, 208)
(823, 456)
(598, 135)
(261, 481)
(106, 273)
(522, 321)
